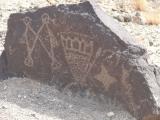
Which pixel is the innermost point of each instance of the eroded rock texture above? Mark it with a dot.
(71, 46)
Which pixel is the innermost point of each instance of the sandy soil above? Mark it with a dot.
(25, 99)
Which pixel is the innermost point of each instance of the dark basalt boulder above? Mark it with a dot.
(3, 67)
(80, 46)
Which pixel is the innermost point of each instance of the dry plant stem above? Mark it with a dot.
(141, 5)
(152, 117)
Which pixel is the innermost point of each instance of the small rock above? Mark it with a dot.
(113, 9)
(119, 18)
(3, 107)
(53, 100)
(19, 96)
(151, 43)
(139, 19)
(70, 106)
(110, 114)
(5, 87)
(33, 115)
(127, 18)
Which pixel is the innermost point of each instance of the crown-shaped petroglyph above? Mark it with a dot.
(77, 43)
(79, 53)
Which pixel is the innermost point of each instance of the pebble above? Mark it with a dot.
(110, 114)
(135, 25)
(70, 106)
(5, 87)
(3, 107)
(19, 96)
(33, 115)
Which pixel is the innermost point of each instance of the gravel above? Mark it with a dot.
(25, 99)
(146, 35)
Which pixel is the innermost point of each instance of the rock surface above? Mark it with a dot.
(69, 45)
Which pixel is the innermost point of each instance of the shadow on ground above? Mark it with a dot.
(29, 99)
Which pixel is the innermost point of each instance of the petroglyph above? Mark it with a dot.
(67, 48)
(11, 50)
(44, 34)
(78, 52)
(128, 88)
(78, 49)
(105, 78)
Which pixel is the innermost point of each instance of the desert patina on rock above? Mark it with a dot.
(72, 46)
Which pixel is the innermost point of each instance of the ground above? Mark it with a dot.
(25, 99)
